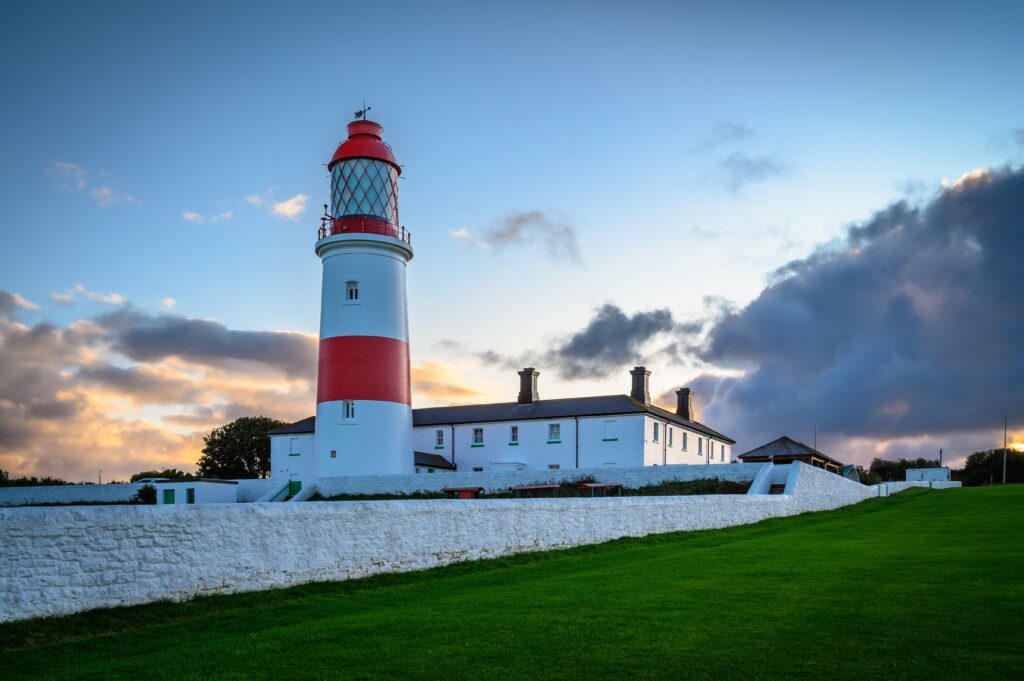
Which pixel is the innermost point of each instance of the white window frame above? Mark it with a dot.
(554, 433)
(513, 435)
(700, 446)
(352, 292)
(610, 430)
(478, 432)
(655, 432)
(685, 443)
(439, 437)
(669, 436)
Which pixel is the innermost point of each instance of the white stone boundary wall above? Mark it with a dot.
(499, 481)
(66, 494)
(57, 561)
(248, 490)
(887, 488)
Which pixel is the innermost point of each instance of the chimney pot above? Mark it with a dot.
(640, 391)
(684, 403)
(528, 386)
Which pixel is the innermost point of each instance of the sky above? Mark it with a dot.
(807, 211)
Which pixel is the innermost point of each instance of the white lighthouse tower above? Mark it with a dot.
(363, 412)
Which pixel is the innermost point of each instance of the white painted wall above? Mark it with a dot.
(66, 494)
(292, 454)
(205, 492)
(378, 264)
(623, 440)
(938, 474)
(500, 480)
(378, 441)
(139, 554)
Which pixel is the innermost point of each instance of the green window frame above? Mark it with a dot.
(168, 496)
(190, 495)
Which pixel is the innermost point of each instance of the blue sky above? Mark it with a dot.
(691, 149)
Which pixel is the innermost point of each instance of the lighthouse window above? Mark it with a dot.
(348, 409)
(352, 292)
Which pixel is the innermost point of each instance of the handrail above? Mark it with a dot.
(331, 226)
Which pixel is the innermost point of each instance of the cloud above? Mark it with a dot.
(291, 208)
(192, 216)
(168, 303)
(523, 228)
(73, 177)
(610, 341)
(10, 302)
(435, 382)
(73, 400)
(258, 199)
(739, 169)
(71, 296)
(909, 327)
(724, 133)
(65, 299)
(143, 337)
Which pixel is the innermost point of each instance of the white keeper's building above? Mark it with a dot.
(531, 433)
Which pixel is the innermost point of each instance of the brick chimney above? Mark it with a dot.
(640, 391)
(684, 403)
(528, 386)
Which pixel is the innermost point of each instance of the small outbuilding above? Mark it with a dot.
(928, 474)
(427, 462)
(205, 491)
(787, 450)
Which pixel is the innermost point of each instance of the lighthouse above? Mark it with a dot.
(363, 411)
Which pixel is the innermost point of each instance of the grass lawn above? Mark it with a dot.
(922, 585)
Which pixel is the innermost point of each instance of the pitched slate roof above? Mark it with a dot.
(307, 425)
(605, 405)
(786, 446)
(433, 461)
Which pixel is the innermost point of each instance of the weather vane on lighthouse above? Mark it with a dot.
(361, 114)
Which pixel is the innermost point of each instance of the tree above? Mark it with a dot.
(241, 449)
(169, 473)
(984, 467)
(896, 471)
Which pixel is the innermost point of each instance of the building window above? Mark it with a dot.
(478, 469)
(721, 452)
(190, 495)
(478, 437)
(513, 435)
(670, 436)
(348, 410)
(293, 446)
(168, 496)
(609, 431)
(684, 439)
(700, 446)
(430, 470)
(438, 439)
(352, 292)
(553, 466)
(554, 433)
(656, 424)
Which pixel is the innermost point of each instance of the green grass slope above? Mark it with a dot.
(921, 585)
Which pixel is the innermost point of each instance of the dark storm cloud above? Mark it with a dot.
(517, 229)
(610, 341)
(140, 383)
(740, 169)
(143, 337)
(912, 325)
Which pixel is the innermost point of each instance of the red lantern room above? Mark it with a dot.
(364, 185)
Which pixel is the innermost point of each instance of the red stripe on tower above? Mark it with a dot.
(363, 368)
